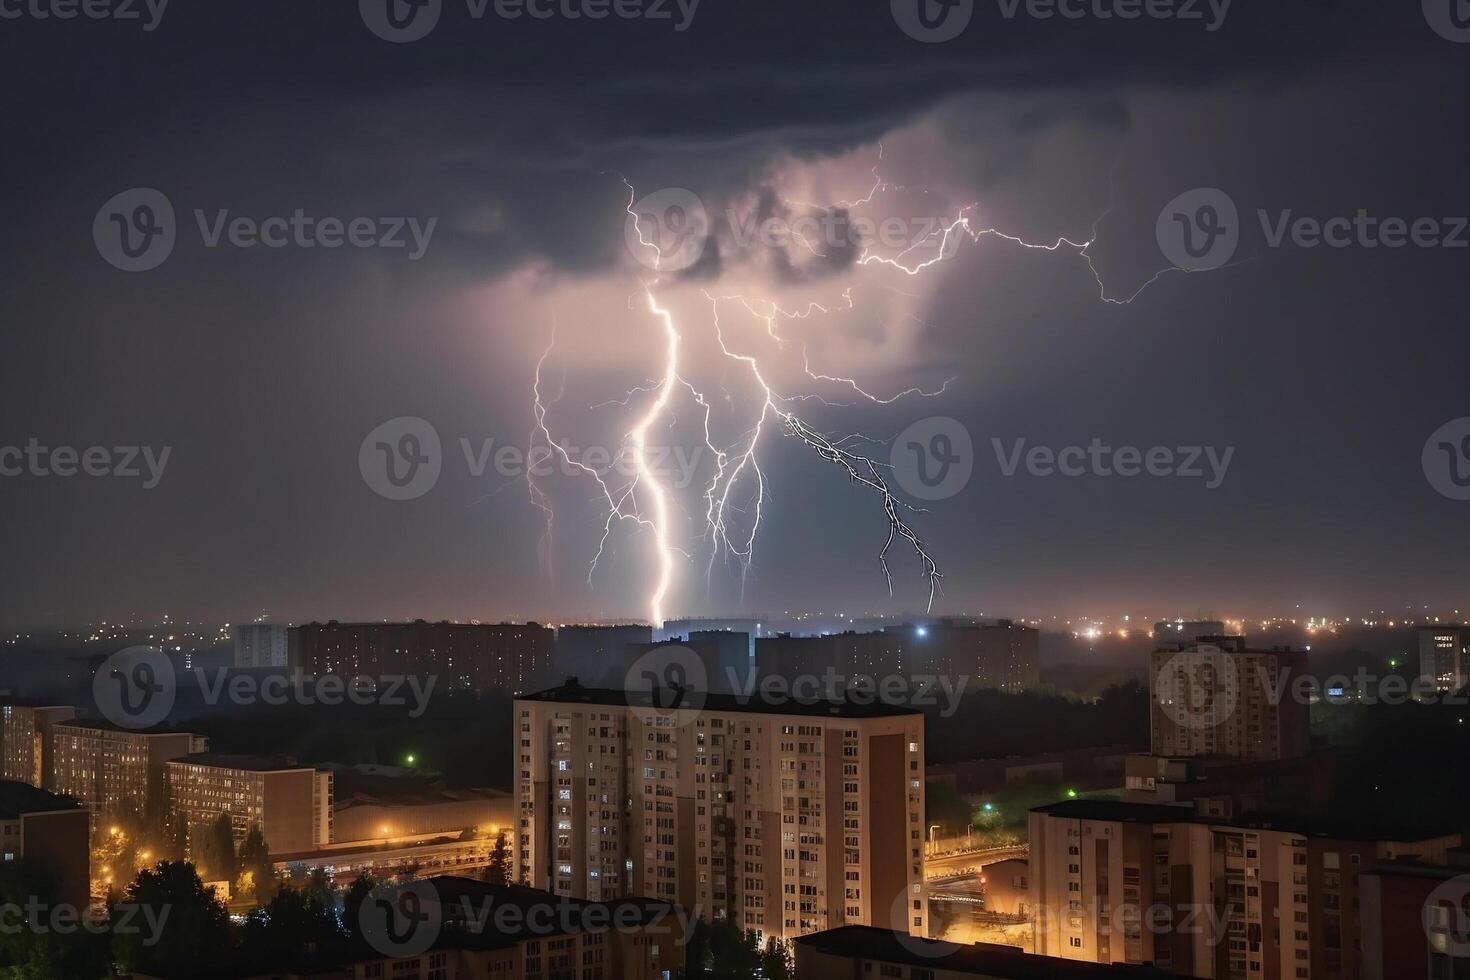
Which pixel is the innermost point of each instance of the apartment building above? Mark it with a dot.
(291, 804)
(464, 656)
(49, 832)
(1444, 657)
(1221, 698)
(26, 741)
(783, 818)
(1258, 898)
(112, 770)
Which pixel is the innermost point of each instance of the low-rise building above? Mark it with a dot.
(862, 952)
(49, 833)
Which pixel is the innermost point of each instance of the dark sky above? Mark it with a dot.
(264, 369)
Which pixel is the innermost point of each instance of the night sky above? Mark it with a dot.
(264, 369)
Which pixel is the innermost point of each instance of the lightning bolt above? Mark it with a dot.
(737, 466)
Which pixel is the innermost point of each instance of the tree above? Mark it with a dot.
(215, 849)
(352, 900)
(170, 925)
(297, 929)
(498, 873)
(777, 961)
(256, 869)
(42, 953)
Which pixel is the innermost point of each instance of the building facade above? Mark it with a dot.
(50, 833)
(292, 805)
(112, 771)
(1258, 899)
(465, 656)
(1444, 657)
(782, 819)
(28, 742)
(261, 645)
(1221, 698)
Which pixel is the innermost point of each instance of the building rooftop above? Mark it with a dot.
(18, 798)
(1335, 825)
(96, 724)
(246, 763)
(573, 693)
(981, 960)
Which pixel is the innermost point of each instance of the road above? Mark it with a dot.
(965, 865)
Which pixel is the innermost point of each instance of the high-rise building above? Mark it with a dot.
(260, 645)
(1000, 654)
(1444, 657)
(1413, 915)
(1222, 698)
(291, 804)
(845, 654)
(50, 833)
(465, 656)
(25, 733)
(594, 654)
(1259, 898)
(1188, 631)
(113, 771)
(784, 819)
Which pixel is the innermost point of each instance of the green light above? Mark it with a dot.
(411, 759)
(988, 807)
(1071, 794)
